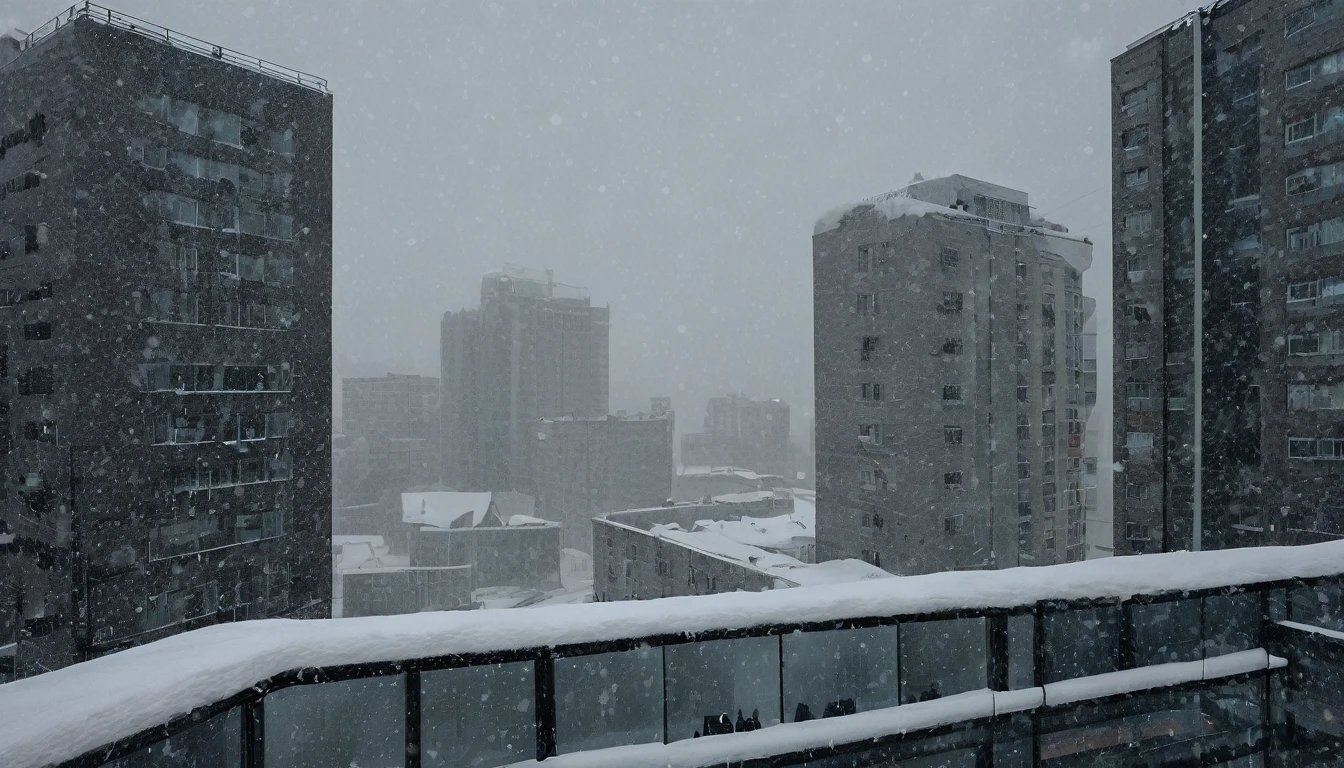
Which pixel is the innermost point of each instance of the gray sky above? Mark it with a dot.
(671, 156)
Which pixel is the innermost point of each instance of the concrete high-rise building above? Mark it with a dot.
(1228, 231)
(949, 381)
(588, 467)
(396, 405)
(534, 349)
(165, 226)
(741, 432)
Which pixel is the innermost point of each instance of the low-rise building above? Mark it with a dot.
(370, 580)
(727, 545)
(468, 529)
(697, 483)
(589, 466)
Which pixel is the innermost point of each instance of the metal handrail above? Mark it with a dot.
(179, 40)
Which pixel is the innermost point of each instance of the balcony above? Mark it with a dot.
(1154, 660)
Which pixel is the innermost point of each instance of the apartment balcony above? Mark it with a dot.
(1173, 659)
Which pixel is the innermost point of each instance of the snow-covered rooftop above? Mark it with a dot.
(442, 509)
(776, 532)
(62, 714)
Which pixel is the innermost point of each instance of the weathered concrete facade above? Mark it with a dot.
(1237, 448)
(166, 285)
(587, 467)
(534, 349)
(949, 381)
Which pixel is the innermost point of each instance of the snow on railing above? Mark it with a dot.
(179, 40)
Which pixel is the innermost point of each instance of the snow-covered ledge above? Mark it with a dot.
(63, 714)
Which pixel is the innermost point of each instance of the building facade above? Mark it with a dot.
(395, 405)
(165, 300)
(534, 349)
(949, 381)
(741, 432)
(587, 467)
(1228, 232)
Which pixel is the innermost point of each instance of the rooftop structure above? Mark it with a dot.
(1154, 658)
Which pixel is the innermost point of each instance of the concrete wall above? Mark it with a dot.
(521, 556)
(631, 564)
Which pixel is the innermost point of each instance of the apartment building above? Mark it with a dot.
(1229, 249)
(165, 300)
(949, 381)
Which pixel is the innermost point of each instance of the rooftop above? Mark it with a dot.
(108, 17)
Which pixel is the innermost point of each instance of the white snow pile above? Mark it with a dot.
(63, 714)
(892, 205)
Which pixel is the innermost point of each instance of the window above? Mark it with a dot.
(1136, 350)
(1136, 178)
(38, 380)
(952, 302)
(1315, 343)
(871, 391)
(1321, 233)
(952, 346)
(872, 557)
(1312, 15)
(1135, 138)
(1326, 66)
(1136, 491)
(1299, 130)
(869, 347)
(1139, 395)
(1139, 445)
(952, 435)
(950, 258)
(37, 331)
(865, 258)
(1135, 97)
(952, 524)
(866, 304)
(952, 481)
(952, 393)
(1021, 271)
(1138, 223)
(1137, 311)
(870, 433)
(1317, 177)
(872, 480)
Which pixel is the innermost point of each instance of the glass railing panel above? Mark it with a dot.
(348, 722)
(1320, 605)
(1013, 741)
(1232, 623)
(478, 716)
(1021, 651)
(1080, 642)
(1166, 632)
(940, 658)
(839, 672)
(722, 686)
(214, 743)
(609, 699)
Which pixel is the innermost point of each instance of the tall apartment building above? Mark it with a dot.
(949, 381)
(395, 405)
(1229, 231)
(534, 349)
(741, 432)
(165, 300)
(588, 467)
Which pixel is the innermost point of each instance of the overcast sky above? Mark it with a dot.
(671, 156)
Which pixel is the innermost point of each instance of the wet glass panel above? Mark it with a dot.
(1147, 729)
(1012, 742)
(1021, 651)
(1320, 605)
(215, 743)
(940, 658)
(722, 686)
(609, 699)
(1166, 632)
(478, 716)
(1231, 623)
(1081, 641)
(343, 723)
(839, 672)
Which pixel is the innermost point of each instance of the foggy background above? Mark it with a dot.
(670, 156)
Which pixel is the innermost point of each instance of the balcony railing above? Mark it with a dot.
(1174, 657)
(111, 18)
